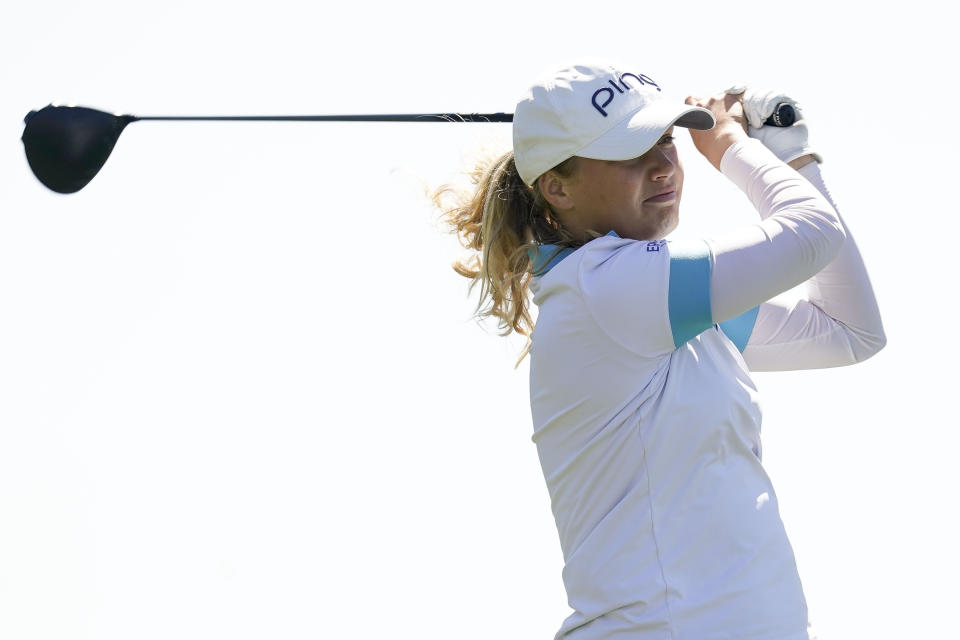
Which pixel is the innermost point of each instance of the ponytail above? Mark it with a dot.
(502, 221)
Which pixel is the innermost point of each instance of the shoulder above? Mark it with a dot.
(606, 258)
(611, 255)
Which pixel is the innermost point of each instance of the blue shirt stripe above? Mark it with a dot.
(738, 329)
(689, 292)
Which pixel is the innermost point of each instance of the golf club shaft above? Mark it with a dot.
(415, 117)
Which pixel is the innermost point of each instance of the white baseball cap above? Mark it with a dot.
(594, 110)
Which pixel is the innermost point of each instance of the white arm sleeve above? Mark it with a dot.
(800, 239)
(837, 322)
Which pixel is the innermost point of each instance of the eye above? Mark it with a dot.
(667, 140)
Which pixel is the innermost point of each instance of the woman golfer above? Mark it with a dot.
(645, 417)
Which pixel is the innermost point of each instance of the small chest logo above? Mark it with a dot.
(656, 246)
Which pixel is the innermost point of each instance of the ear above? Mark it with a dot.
(553, 187)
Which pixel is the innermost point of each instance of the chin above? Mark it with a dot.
(658, 230)
(669, 225)
(670, 228)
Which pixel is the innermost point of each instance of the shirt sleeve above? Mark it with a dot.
(626, 287)
(650, 297)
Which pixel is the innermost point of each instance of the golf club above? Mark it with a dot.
(67, 146)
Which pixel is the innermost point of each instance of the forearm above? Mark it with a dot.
(842, 289)
(836, 324)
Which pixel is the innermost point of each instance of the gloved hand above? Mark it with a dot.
(787, 143)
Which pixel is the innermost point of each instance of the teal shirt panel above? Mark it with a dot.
(689, 293)
(738, 329)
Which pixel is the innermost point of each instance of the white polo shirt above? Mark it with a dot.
(668, 523)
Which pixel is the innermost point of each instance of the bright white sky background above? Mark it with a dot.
(241, 393)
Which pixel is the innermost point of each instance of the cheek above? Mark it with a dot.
(678, 179)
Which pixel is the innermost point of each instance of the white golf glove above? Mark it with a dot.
(787, 143)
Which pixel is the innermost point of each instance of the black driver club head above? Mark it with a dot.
(66, 146)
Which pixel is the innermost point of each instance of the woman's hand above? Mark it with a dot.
(731, 125)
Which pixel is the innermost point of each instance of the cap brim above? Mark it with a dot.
(635, 135)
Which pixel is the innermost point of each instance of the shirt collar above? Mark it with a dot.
(547, 256)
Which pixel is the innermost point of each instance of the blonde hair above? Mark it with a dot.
(500, 220)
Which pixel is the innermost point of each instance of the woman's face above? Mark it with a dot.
(638, 198)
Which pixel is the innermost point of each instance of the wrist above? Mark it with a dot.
(802, 161)
(723, 142)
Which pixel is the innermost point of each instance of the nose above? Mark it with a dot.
(663, 164)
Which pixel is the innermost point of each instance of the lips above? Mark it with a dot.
(663, 196)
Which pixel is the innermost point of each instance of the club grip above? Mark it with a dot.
(783, 116)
